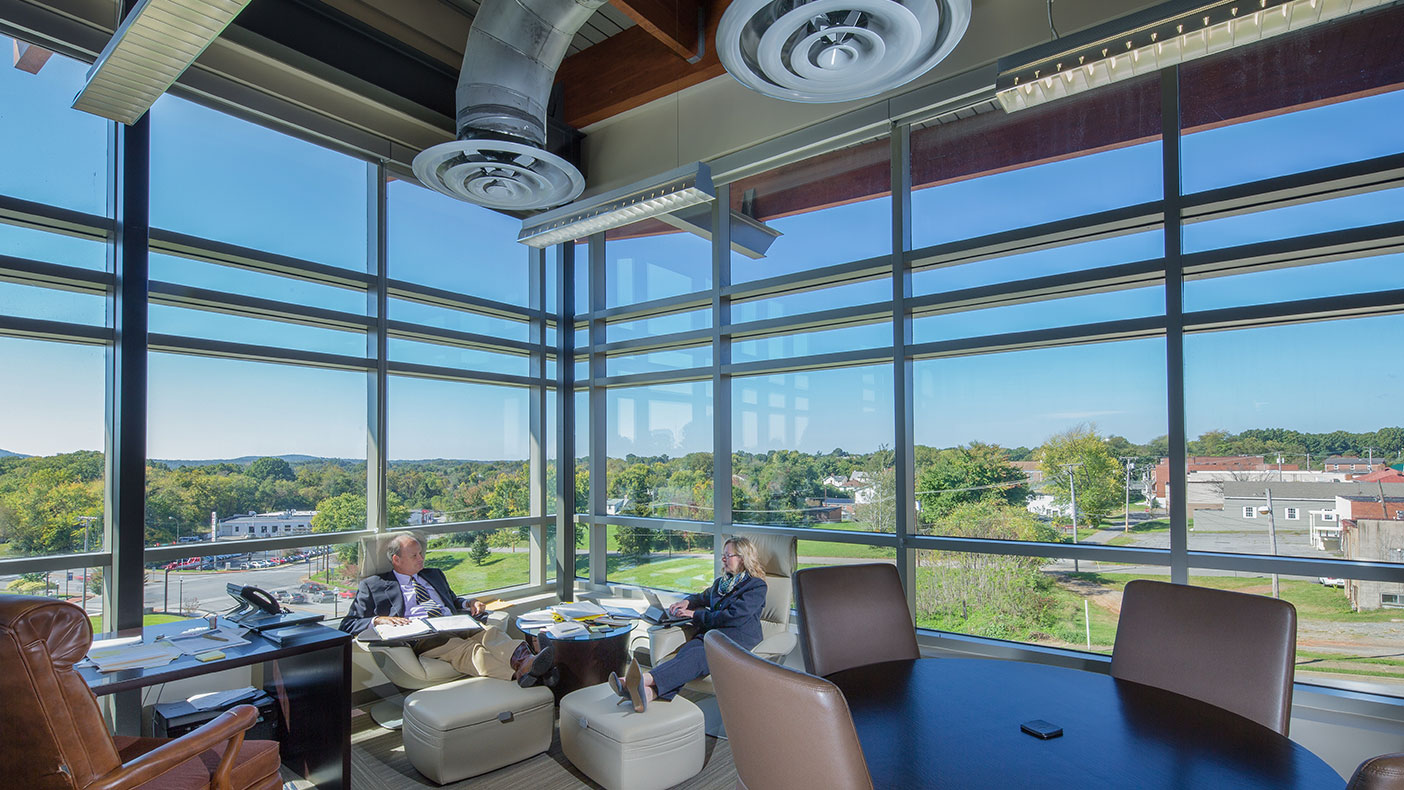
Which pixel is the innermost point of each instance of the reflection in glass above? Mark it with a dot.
(660, 451)
(52, 467)
(230, 279)
(210, 325)
(223, 178)
(664, 559)
(226, 438)
(650, 260)
(814, 449)
(1047, 314)
(56, 155)
(425, 244)
(1265, 418)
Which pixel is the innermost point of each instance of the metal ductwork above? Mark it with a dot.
(500, 159)
(836, 50)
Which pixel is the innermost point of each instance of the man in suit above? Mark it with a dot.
(409, 590)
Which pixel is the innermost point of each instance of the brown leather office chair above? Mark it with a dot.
(852, 616)
(1385, 772)
(55, 736)
(787, 729)
(1229, 649)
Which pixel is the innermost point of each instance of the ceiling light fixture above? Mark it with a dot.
(154, 45)
(673, 190)
(1158, 37)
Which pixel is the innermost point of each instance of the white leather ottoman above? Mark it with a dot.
(475, 725)
(624, 750)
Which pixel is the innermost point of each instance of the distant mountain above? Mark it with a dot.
(245, 460)
(8, 454)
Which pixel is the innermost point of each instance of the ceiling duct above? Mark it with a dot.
(836, 50)
(500, 159)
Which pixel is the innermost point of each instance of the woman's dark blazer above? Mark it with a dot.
(736, 614)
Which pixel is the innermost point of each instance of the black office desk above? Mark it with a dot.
(309, 675)
(954, 723)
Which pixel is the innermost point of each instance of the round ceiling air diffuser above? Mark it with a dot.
(499, 174)
(836, 50)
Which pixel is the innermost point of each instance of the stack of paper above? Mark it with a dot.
(456, 622)
(537, 619)
(567, 629)
(134, 656)
(579, 610)
(205, 641)
(413, 628)
(221, 699)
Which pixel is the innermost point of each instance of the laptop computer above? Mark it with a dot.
(657, 613)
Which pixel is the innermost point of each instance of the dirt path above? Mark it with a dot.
(1102, 597)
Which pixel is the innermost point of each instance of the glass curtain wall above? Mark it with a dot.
(325, 357)
(1045, 281)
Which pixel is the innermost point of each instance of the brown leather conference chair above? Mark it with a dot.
(55, 737)
(787, 729)
(1385, 772)
(1229, 649)
(852, 616)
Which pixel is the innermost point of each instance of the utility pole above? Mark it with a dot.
(1272, 537)
(1072, 489)
(1126, 523)
(1370, 454)
(87, 521)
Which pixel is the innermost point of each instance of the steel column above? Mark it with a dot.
(1174, 324)
(377, 341)
(721, 377)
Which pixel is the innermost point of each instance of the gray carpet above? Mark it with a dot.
(378, 762)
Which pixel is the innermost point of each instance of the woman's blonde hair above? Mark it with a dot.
(750, 560)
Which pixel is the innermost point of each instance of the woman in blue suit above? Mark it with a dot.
(732, 605)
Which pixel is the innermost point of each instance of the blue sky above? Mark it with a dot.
(229, 180)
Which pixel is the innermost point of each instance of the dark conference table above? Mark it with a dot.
(954, 723)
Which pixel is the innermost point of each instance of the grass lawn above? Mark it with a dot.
(1142, 528)
(146, 619)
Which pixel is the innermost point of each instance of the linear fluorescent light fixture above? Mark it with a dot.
(1161, 36)
(155, 44)
(673, 190)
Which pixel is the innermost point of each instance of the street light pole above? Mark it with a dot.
(87, 521)
(1072, 488)
(1126, 524)
(166, 593)
(1272, 537)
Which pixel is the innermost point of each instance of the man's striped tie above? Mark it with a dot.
(432, 608)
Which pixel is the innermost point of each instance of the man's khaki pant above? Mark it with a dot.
(487, 653)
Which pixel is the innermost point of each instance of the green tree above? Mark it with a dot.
(1078, 456)
(635, 543)
(480, 552)
(973, 473)
(270, 468)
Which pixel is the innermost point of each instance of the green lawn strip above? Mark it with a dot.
(681, 574)
(146, 619)
(1351, 671)
(1343, 657)
(498, 570)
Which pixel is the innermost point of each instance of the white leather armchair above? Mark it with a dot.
(777, 556)
(399, 664)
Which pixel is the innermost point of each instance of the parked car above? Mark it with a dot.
(326, 596)
(1331, 581)
(282, 596)
(348, 593)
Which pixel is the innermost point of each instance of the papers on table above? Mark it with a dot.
(134, 655)
(203, 641)
(566, 629)
(410, 630)
(457, 624)
(454, 622)
(579, 610)
(537, 619)
(221, 699)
